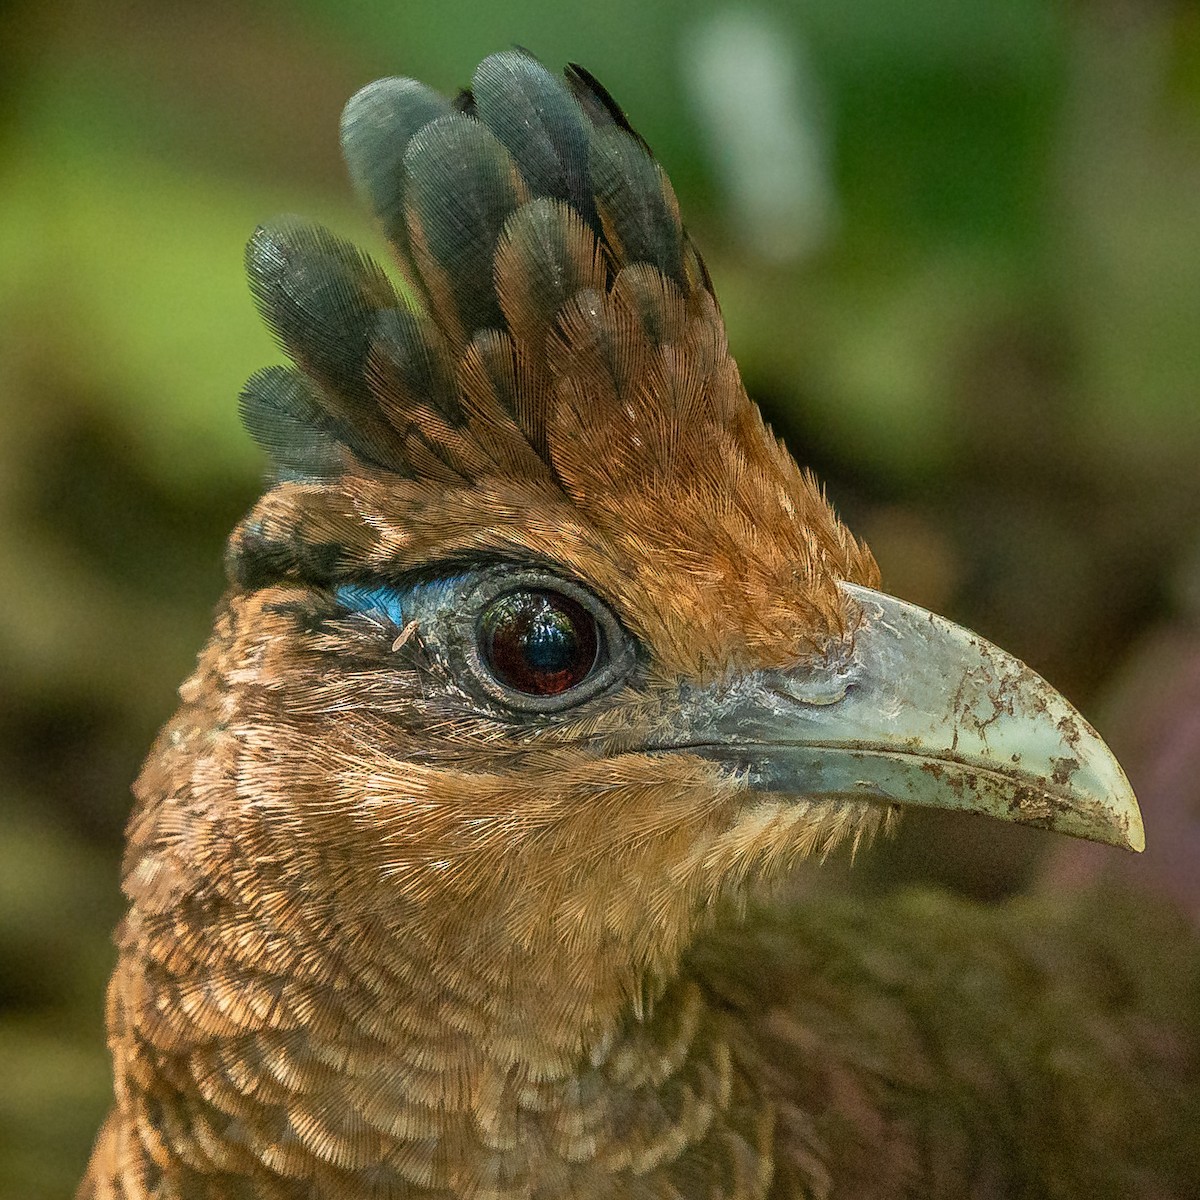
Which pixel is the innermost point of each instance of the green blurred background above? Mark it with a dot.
(958, 247)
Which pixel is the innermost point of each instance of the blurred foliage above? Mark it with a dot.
(972, 307)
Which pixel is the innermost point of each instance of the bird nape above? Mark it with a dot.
(538, 651)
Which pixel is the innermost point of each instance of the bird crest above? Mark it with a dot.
(526, 207)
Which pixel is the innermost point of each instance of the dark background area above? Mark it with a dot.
(957, 243)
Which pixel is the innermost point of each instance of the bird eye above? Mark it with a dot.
(538, 642)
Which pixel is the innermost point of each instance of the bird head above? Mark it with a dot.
(540, 643)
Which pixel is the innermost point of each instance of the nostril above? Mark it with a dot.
(817, 691)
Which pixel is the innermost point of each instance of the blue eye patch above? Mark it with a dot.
(376, 599)
(399, 605)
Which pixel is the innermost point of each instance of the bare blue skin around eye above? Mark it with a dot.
(375, 599)
(398, 605)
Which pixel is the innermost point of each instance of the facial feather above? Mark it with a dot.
(372, 817)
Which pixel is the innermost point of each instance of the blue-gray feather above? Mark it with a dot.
(534, 114)
(378, 123)
(283, 413)
(461, 186)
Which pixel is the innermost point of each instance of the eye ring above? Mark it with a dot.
(613, 653)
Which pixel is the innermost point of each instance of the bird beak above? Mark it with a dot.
(914, 710)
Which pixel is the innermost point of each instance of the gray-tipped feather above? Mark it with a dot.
(636, 204)
(284, 415)
(461, 187)
(319, 295)
(533, 113)
(378, 122)
(412, 368)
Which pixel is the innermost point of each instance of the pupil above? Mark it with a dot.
(539, 642)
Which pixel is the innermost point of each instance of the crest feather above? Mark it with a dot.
(503, 208)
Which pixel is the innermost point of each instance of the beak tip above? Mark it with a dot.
(1135, 834)
(1105, 808)
(1125, 814)
(1120, 820)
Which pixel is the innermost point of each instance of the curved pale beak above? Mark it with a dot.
(915, 710)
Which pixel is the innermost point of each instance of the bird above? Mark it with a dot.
(539, 662)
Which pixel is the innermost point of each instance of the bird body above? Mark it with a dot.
(537, 654)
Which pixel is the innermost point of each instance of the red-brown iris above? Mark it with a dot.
(538, 642)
